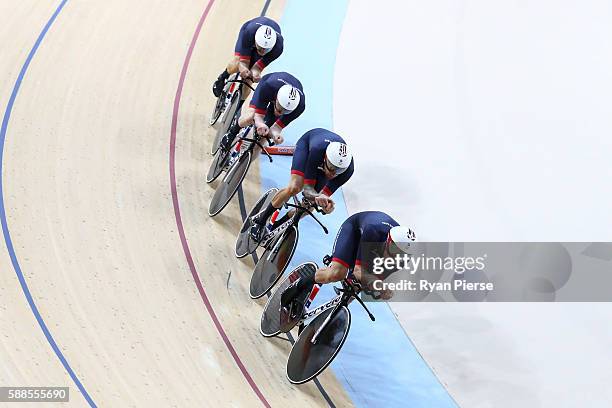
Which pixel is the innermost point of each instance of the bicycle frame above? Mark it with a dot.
(300, 211)
(235, 85)
(254, 141)
(308, 314)
(344, 297)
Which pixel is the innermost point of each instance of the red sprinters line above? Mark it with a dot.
(177, 212)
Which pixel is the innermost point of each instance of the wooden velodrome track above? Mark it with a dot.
(89, 166)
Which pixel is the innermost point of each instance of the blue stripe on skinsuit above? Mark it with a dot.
(378, 365)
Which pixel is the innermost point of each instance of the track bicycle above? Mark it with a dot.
(235, 162)
(227, 108)
(279, 243)
(322, 331)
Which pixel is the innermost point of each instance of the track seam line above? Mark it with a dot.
(3, 219)
(177, 212)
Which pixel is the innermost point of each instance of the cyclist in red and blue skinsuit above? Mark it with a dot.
(363, 227)
(259, 43)
(313, 172)
(278, 100)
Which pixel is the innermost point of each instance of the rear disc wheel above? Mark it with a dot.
(273, 262)
(229, 185)
(244, 244)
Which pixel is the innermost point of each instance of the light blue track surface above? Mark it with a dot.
(378, 365)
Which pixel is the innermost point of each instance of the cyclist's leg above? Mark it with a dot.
(296, 183)
(295, 186)
(344, 255)
(280, 221)
(232, 67)
(343, 258)
(246, 91)
(246, 118)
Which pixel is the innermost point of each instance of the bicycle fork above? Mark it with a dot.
(333, 312)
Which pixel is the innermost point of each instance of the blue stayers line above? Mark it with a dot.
(5, 230)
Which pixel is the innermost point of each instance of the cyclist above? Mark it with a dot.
(259, 43)
(277, 101)
(322, 163)
(362, 227)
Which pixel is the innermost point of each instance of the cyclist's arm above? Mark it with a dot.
(310, 192)
(258, 68)
(259, 102)
(335, 272)
(367, 281)
(259, 119)
(246, 39)
(358, 272)
(256, 71)
(243, 68)
(315, 155)
(264, 61)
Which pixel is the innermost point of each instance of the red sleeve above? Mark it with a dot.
(341, 262)
(258, 110)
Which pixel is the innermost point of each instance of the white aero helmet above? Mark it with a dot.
(288, 97)
(265, 37)
(403, 239)
(339, 155)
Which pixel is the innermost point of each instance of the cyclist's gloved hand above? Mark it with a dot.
(386, 294)
(263, 130)
(245, 73)
(309, 192)
(326, 203)
(277, 139)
